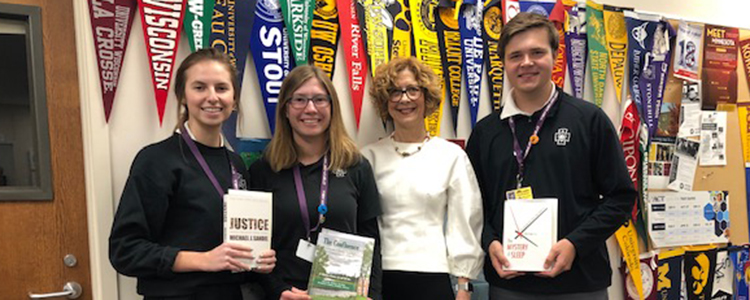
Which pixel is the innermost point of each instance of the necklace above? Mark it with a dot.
(407, 153)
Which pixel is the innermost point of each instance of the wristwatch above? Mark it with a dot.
(464, 287)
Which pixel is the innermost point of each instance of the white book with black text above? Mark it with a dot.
(248, 219)
(529, 231)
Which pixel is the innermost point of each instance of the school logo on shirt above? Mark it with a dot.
(339, 173)
(562, 137)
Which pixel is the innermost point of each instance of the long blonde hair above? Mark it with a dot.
(281, 152)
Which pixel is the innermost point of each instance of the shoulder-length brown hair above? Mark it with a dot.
(282, 151)
(207, 54)
(385, 80)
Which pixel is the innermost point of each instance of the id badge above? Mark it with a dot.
(306, 250)
(522, 193)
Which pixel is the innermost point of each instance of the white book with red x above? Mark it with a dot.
(529, 231)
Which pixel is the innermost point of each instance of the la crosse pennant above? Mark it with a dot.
(111, 22)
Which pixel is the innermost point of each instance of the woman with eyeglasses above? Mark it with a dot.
(318, 179)
(432, 210)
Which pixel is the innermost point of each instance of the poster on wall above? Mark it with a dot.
(713, 138)
(719, 66)
(690, 110)
(111, 22)
(688, 49)
(684, 164)
(162, 25)
(659, 163)
(688, 218)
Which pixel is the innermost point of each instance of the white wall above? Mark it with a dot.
(111, 147)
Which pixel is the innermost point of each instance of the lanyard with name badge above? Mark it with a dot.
(305, 248)
(525, 193)
(202, 161)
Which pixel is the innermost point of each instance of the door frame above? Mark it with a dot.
(97, 159)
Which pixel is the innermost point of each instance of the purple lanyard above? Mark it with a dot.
(533, 139)
(322, 208)
(202, 161)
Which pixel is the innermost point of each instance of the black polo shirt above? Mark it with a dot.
(577, 160)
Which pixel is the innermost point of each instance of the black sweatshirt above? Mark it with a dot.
(169, 205)
(579, 161)
(353, 207)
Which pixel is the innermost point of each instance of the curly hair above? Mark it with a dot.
(385, 79)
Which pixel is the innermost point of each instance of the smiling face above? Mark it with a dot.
(529, 60)
(311, 121)
(407, 112)
(209, 95)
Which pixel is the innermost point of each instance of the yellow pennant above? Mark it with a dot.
(428, 51)
(401, 31)
(617, 45)
(628, 240)
(742, 110)
(377, 33)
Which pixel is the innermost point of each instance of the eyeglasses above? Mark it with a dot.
(412, 92)
(320, 101)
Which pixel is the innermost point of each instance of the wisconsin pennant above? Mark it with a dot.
(427, 51)
(493, 26)
(298, 15)
(197, 23)
(354, 51)
(324, 36)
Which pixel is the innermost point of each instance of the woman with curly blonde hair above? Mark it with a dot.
(432, 209)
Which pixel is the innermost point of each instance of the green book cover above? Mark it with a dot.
(341, 266)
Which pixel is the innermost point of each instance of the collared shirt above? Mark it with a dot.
(511, 109)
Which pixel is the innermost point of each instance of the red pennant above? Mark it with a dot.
(629, 138)
(745, 54)
(557, 16)
(356, 63)
(162, 21)
(510, 9)
(110, 26)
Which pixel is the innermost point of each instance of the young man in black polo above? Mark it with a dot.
(574, 156)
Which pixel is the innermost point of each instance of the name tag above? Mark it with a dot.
(522, 193)
(306, 250)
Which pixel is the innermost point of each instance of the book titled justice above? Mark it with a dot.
(248, 218)
(529, 231)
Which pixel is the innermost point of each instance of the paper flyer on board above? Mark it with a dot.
(713, 138)
(248, 220)
(684, 163)
(341, 267)
(529, 231)
(688, 218)
(690, 111)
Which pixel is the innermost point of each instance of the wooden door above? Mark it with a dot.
(35, 236)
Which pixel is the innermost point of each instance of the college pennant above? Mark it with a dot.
(640, 28)
(510, 8)
(699, 270)
(111, 22)
(377, 21)
(669, 284)
(493, 25)
(324, 36)
(575, 46)
(230, 32)
(626, 235)
(654, 76)
(449, 41)
(356, 62)
(557, 16)
(271, 53)
(740, 257)
(541, 7)
(616, 36)
(298, 15)
(597, 50)
(197, 23)
(162, 24)
(401, 46)
(627, 238)
(745, 54)
(719, 66)
(647, 273)
(428, 51)
(470, 23)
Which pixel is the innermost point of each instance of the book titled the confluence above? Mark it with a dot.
(529, 231)
(341, 266)
(248, 219)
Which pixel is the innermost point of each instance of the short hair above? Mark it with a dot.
(523, 22)
(281, 152)
(210, 54)
(385, 80)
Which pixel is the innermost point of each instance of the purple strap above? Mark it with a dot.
(517, 152)
(202, 161)
(322, 208)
